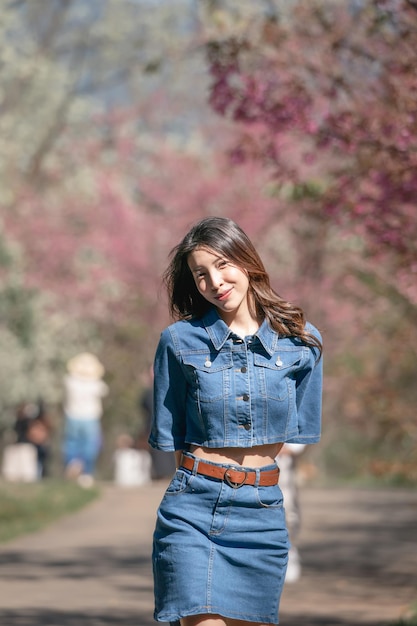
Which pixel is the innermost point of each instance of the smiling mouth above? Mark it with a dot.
(223, 295)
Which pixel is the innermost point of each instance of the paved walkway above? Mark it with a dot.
(359, 552)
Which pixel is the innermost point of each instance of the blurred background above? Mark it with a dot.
(123, 122)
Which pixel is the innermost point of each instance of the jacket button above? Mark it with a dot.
(246, 426)
(243, 369)
(245, 397)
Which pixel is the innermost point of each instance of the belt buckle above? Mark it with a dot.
(232, 483)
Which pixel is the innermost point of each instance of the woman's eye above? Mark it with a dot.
(222, 264)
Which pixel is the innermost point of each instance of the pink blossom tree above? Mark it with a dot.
(325, 97)
(327, 100)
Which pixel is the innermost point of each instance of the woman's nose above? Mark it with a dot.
(216, 280)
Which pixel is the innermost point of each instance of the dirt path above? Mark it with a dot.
(359, 551)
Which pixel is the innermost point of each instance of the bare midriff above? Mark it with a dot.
(258, 456)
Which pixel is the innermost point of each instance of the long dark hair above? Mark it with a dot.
(225, 237)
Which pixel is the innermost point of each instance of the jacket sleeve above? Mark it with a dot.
(170, 389)
(309, 386)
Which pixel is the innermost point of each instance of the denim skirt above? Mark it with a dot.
(219, 550)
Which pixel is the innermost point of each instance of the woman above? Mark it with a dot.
(237, 375)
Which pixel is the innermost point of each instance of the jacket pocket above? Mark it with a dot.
(211, 374)
(276, 372)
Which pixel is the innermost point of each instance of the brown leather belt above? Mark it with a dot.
(233, 477)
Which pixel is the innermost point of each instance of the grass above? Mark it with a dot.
(411, 619)
(26, 508)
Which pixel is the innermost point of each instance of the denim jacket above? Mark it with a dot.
(215, 389)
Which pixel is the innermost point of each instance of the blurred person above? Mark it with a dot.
(24, 414)
(39, 434)
(20, 458)
(33, 426)
(237, 375)
(287, 462)
(84, 391)
(132, 465)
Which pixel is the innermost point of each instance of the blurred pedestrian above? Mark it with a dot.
(287, 462)
(33, 426)
(132, 465)
(39, 433)
(84, 391)
(237, 375)
(25, 413)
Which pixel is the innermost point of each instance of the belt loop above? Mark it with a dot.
(257, 477)
(195, 466)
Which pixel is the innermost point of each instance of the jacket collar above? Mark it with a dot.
(267, 337)
(219, 331)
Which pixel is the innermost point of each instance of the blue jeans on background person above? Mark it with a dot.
(82, 442)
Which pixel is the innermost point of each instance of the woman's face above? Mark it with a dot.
(220, 282)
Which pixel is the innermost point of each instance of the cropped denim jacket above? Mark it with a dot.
(215, 389)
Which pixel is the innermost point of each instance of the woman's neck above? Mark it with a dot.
(242, 321)
(242, 325)
(246, 329)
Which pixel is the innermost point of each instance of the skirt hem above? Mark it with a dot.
(175, 617)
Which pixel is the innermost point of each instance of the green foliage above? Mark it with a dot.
(408, 621)
(6, 258)
(34, 352)
(16, 309)
(63, 66)
(26, 508)
(358, 461)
